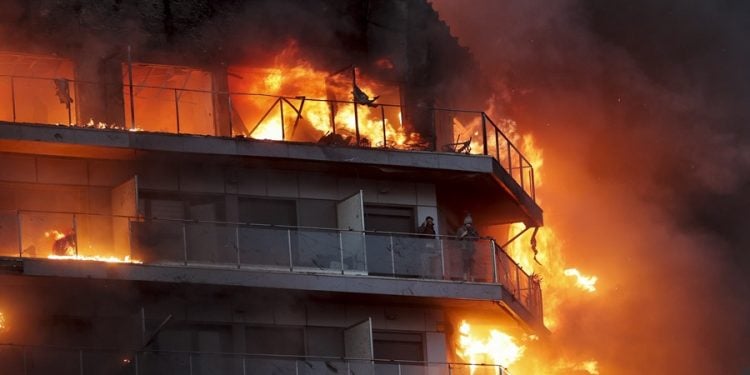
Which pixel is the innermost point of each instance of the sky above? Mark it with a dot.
(640, 109)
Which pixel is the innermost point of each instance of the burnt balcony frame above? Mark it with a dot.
(494, 142)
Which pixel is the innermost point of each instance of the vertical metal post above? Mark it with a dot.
(484, 133)
(13, 97)
(67, 104)
(289, 245)
(231, 114)
(80, 361)
(136, 363)
(442, 259)
(20, 235)
(510, 159)
(494, 261)
(518, 283)
(354, 103)
(130, 82)
(497, 146)
(393, 257)
(520, 173)
(177, 109)
(184, 242)
(296, 367)
(341, 251)
(281, 113)
(533, 185)
(190, 363)
(75, 233)
(237, 243)
(382, 117)
(244, 367)
(399, 368)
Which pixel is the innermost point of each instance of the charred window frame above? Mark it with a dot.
(398, 345)
(390, 218)
(294, 340)
(183, 206)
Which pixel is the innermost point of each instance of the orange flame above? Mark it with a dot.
(96, 258)
(492, 347)
(312, 119)
(3, 327)
(587, 283)
(70, 251)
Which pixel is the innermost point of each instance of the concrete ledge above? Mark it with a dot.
(357, 284)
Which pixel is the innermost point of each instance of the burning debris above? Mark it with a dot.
(489, 347)
(587, 283)
(65, 243)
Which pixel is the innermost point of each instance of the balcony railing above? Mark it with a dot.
(263, 247)
(256, 115)
(32, 360)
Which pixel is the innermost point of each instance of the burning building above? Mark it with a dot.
(238, 187)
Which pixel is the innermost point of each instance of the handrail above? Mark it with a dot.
(488, 128)
(134, 352)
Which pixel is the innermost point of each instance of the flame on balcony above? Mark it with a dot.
(316, 105)
(490, 346)
(3, 325)
(65, 247)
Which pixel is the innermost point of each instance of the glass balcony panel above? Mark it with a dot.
(316, 250)
(264, 247)
(52, 361)
(270, 366)
(214, 244)
(95, 362)
(211, 364)
(311, 366)
(413, 369)
(379, 260)
(417, 257)
(160, 363)
(158, 241)
(44, 234)
(387, 368)
(353, 245)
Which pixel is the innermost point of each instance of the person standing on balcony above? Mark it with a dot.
(427, 227)
(468, 235)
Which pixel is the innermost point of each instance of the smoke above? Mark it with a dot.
(639, 110)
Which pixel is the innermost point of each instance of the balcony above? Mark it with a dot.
(30, 99)
(27, 360)
(221, 252)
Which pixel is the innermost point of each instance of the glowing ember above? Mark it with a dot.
(587, 283)
(2, 322)
(494, 347)
(96, 258)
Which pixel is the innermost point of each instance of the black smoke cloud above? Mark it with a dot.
(640, 108)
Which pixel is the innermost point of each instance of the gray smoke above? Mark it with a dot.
(640, 109)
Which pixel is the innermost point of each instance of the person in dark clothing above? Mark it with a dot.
(427, 227)
(468, 235)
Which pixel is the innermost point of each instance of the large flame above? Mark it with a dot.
(587, 283)
(489, 347)
(295, 78)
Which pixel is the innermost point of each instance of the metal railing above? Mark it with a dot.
(254, 115)
(264, 247)
(36, 360)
